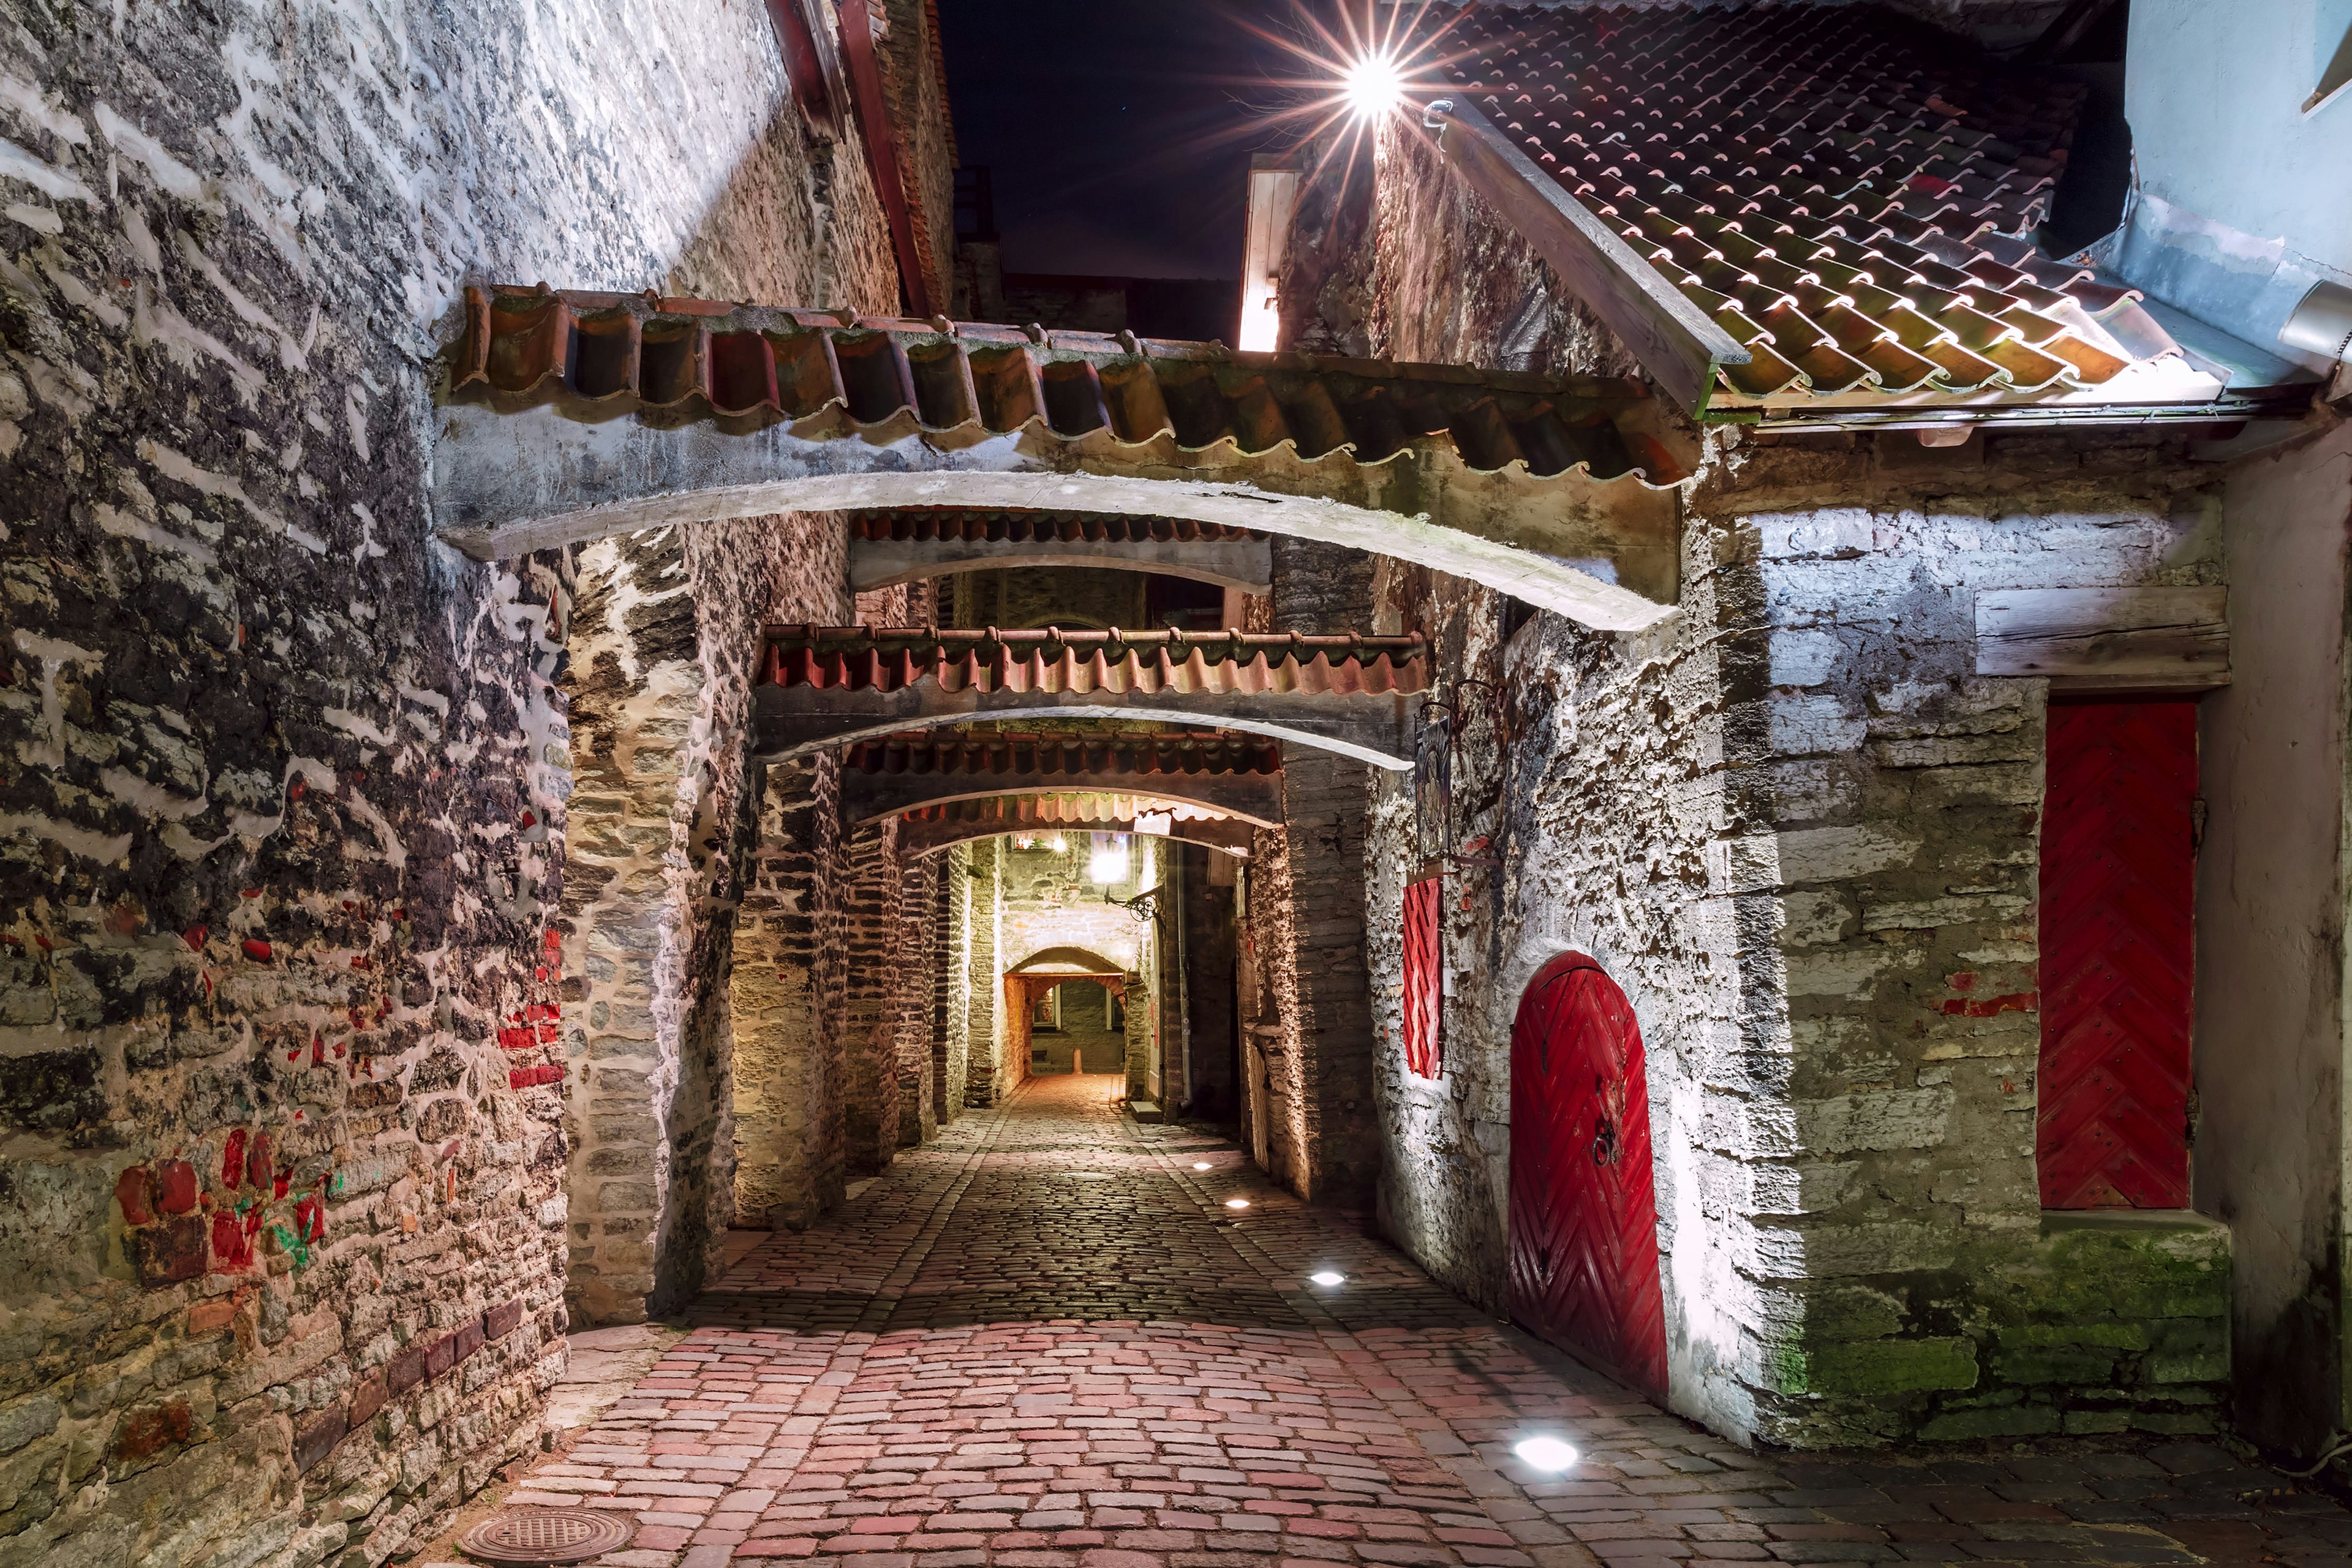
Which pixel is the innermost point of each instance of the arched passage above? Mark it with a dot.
(1583, 1260)
(1039, 977)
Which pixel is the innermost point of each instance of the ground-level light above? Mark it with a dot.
(1237, 1203)
(1544, 1453)
(1200, 1165)
(1327, 1277)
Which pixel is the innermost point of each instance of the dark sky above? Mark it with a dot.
(1118, 129)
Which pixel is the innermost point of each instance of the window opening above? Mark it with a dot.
(1424, 978)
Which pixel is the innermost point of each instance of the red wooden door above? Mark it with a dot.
(1583, 1261)
(2118, 884)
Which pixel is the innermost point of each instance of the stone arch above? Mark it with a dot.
(1202, 791)
(1026, 983)
(1353, 741)
(1070, 963)
(561, 425)
(1180, 831)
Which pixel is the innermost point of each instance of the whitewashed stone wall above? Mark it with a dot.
(1800, 832)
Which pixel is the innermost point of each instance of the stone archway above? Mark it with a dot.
(1044, 972)
(575, 416)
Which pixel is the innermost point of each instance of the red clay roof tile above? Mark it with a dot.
(1849, 193)
(889, 659)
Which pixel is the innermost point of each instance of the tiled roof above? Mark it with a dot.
(973, 525)
(889, 659)
(1167, 754)
(1850, 194)
(745, 367)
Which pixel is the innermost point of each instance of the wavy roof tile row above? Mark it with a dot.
(1169, 754)
(673, 360)
(977, 525)
(891, 659)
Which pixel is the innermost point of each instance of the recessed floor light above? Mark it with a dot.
(1200, 1165)
(1544, 1453)
(1237, 1203)
(1328, 1277)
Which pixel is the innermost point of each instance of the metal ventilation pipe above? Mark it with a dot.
(2322, 324)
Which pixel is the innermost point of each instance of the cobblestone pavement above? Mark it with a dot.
(1046, 1341)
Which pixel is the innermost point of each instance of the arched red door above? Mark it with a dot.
(1584, 1206)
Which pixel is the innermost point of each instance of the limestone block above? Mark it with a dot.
(1845, 972)
(1891, 1366)
(1888, 1118)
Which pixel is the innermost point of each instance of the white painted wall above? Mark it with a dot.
(2270, 1150)
(2244, 201)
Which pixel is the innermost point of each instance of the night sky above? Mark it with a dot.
(1119, 131)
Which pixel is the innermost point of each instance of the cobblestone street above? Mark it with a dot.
(1046, 1342)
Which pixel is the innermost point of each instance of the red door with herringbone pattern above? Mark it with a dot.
(2119, 878)
(1583, 1261)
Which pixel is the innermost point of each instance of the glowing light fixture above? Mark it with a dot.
(1200, 1165)
(1374, 85)
(1237, 1203)
(1327, 1277)
(1545, 1454)
(1107, 864)
(1061, 845)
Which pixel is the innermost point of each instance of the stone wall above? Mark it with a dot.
(1800, 832)
(789, 998)
(283, 1043)
(665, 819)
(951, 997)
(988, 1074)
(1313, 916)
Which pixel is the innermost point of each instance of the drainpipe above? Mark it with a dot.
(882, 150)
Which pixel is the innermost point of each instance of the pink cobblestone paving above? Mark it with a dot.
(1042, 1341)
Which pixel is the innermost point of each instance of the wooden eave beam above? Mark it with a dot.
(796, 721)
(1676, 341)
(929, 838)
(1256, 798)
(1243, 563)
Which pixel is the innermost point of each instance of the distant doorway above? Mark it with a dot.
(1584, 1256)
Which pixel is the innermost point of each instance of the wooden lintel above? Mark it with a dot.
(1243, 563)
(796, 722)
(1256, 798)
(928, 837)
(2107, 639)
(1678, 343)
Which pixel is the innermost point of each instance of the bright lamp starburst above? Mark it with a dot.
(1374, 85)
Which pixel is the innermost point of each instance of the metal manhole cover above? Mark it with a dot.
(538, 1536)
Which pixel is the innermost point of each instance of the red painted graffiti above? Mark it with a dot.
(2017, 1002)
